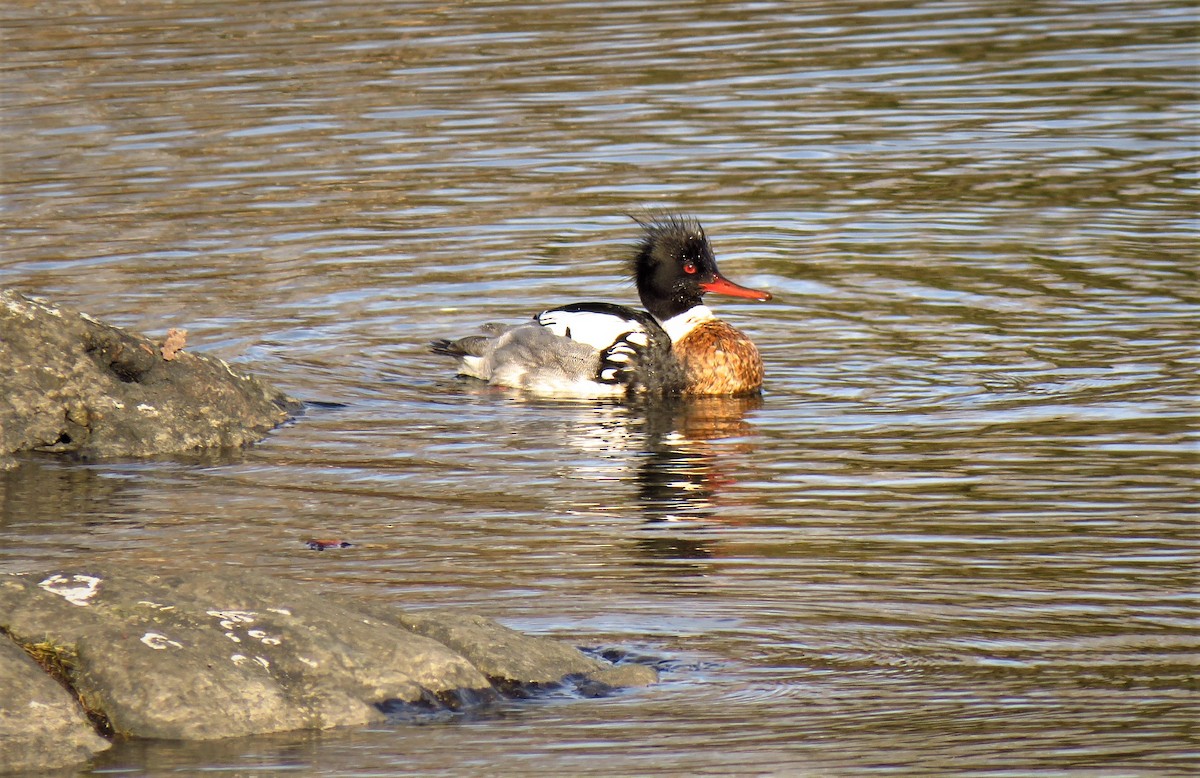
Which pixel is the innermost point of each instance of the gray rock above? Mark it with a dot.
(209, 656)
(624, 676)
(506, 655)
(41, 725)
(69, 383)
(228, 653)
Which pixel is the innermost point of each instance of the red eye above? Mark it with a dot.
(689, 267)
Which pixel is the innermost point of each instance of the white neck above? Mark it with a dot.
(681, 324)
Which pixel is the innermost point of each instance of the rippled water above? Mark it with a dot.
(958, 531)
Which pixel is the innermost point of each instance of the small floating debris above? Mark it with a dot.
(320, 544)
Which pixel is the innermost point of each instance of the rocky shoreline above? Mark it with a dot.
(93, 653)
(90, 653)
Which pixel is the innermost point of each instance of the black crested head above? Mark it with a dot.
(672, 260)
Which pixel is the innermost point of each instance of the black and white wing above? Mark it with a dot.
(635, 351)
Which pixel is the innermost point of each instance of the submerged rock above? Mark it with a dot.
(507, 656)
(69, 383)
(229, 653)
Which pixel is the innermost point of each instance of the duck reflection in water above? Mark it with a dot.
(685, 470)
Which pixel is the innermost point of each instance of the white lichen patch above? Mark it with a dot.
(241, 659)
(77, 590)
(231, 619)
(43, 305)
(14, 305)
(149, 410)
(158, 606)
(229, 369)
(310, 662)
(29, 306)
(280, 611)
(159, 641)
(246, 617)
(262, 636)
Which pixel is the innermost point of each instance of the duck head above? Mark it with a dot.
(674, 268)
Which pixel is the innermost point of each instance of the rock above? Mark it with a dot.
(69, 383)
(625, 676)
(42, 726)
(506, 655)
(228, 653)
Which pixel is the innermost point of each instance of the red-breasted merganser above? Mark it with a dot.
(678, 346)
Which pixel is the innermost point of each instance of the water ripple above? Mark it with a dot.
(957, 531)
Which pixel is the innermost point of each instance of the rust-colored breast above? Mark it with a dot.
(718, 359)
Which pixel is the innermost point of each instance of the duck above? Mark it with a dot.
(675, 346)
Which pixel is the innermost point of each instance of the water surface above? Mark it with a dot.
(958, 531)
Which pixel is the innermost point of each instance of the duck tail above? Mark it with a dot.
(443, 346)
(472, 346)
